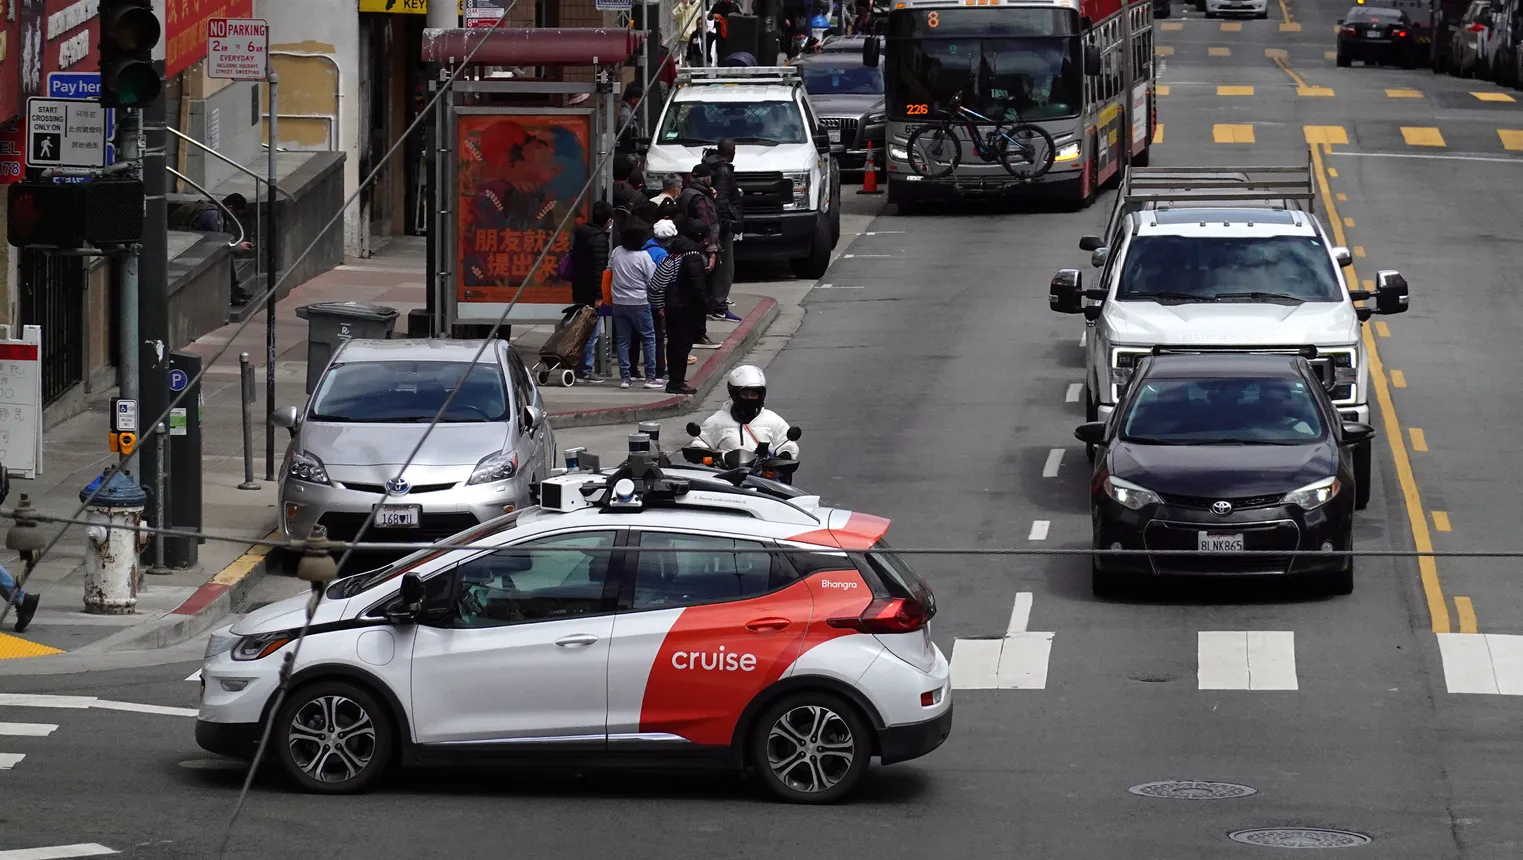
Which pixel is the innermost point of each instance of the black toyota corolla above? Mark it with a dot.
(1224, 454)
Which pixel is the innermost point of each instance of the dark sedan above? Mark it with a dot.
(1224, 455)
(1374, 35)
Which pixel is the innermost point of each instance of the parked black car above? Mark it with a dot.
(1223, 454)
(1375, 35)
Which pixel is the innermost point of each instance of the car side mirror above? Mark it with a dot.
(1390, 293)
(1092, 433)
(1091, 243)
(837, 149)
(693, 429)
(1091, 60)
(534, 417)
(1063, 294)
(794, 433)
(822, 144)
(1354, 433)
(409, 603)
(870, 52)
(1098, 258)
(1342, 256)
(285, 416)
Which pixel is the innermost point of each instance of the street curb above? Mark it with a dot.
(746, 335)
(221, 596)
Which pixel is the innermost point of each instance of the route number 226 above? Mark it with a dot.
(917, 110)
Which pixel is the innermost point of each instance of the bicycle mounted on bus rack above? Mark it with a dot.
(1026, 151)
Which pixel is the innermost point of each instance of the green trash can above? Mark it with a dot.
(331, 323)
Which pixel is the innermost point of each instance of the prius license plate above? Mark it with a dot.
(834, 134)
(397, 516)
(1220, 543)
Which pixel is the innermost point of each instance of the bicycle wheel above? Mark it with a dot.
(1027, 151)
(934, 151)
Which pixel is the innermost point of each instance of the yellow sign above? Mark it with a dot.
(405, 7)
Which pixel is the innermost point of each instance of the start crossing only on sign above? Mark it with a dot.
(237, 49)
(65, 133)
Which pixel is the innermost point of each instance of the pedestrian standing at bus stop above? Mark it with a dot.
(728, 200)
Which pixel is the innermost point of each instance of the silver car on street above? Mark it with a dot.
(369, 409)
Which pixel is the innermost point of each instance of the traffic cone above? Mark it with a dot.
(870, 174)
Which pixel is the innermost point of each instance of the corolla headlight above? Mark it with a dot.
(1313, 495)
(800, 180)
(495, 467)
(220, 641)
(1067, 152)
(307, 467)
(261, 645)
(1129, 495)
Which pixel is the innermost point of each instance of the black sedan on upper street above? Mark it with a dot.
(1223, 454)
(1375, 35)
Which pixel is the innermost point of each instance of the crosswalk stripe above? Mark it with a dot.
(1229, 90)
(1315, 92)
(1246, 660)
(57, 852)
(1157, 138)
(1173, 27)
(27, 730)
(1334, 134)
(1494, 97)
(195, 677)
(1290, 27)
(1219, 52)
(10, 760)
(1422, 136)
(1401, 93)
(1329, 55)
(1482, 663)
(1512, 139)
(1232, 27)
(1162, 89)
(1164, 50)
(1226, 133)
(1017, 661)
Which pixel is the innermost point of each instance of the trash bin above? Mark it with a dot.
(331, 323)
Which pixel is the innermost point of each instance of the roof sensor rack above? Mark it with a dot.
(1193, 187)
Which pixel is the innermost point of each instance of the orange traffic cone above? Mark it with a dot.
(870, 174)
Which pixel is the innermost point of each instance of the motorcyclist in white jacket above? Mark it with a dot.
(744, 421)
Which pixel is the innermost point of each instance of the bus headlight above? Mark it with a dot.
(1067, 152)
(898, 153)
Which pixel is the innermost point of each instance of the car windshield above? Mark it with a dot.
(707, 123)
(1223, 411)
(1210, 269)
(842, 80)
(1368, 15)
(410, 392)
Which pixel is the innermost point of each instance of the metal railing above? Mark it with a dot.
(225, 160)
(208, 195)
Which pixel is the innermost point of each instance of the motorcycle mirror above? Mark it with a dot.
(794, 433)
(693, 429)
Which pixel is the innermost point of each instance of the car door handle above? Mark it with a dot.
(576, 641)
(767, 625)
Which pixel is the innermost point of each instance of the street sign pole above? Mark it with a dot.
(131, 152)
(272, 270)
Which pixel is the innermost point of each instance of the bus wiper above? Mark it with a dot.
(1172, 297)
(1262, 296)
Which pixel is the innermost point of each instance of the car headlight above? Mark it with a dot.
(1067, 152)
(1130, 495)
(800, 180)
(307, 467)
(898, 153)
(1313, 495)
(495, 467)
(876, 118)
(262, 645)
(220, 641)
(1123, 362)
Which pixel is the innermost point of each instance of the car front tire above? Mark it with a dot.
(334, 738)
(1362, 467)
(814, 266)
(811, 747)
(1342, 582)
(1104, 584)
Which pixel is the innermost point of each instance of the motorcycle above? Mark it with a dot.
(760, 462)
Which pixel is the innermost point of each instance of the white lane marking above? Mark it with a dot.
(1054, 460)
(57, 852)
(883, 232)
(1246, 660)
(838, 287)
(1084, 337)
(1074, 390)
(1482, 663)
(1018, 661)
(1494, 159)
(10, 760)
(1039, 530)
(851, 256)
(27, 730)
(195, 677)
(135, 708)
(38, 700)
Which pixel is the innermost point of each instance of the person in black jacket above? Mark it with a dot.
(728, 202)
(589, 257)
(686, 301)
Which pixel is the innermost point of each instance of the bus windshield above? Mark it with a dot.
(1029, 78)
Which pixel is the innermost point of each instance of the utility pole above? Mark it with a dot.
(153, 290)
(441, 16)
(272, 267)
(131, 132)
(1128, 57)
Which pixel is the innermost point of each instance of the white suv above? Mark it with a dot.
(1197, 259)
(634, 617)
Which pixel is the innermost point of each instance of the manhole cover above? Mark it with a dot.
(1299, 837)
(1192, 789)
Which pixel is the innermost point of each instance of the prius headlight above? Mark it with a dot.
(1067, 152)
(1129, 495)
(1313, 495)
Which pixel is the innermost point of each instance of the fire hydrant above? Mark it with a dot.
(113, 543)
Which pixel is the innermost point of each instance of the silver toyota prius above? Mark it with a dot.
(371, 406)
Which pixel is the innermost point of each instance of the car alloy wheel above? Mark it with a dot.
(334, 738)
(811, 748)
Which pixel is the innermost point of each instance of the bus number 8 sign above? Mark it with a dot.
(933, 19)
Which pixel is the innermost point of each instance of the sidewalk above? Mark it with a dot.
(183, 604)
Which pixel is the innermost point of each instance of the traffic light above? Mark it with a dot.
(128, 33)
(113, 213)
(45, 214)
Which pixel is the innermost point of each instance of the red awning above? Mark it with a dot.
(538, 46)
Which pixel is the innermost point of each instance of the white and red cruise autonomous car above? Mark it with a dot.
(628, 619)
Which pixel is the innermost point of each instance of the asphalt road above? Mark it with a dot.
(933, 383)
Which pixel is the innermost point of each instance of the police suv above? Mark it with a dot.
(1206, 260)
(785, 160)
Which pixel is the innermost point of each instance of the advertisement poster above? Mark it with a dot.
(518, 175)
(185, 29)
